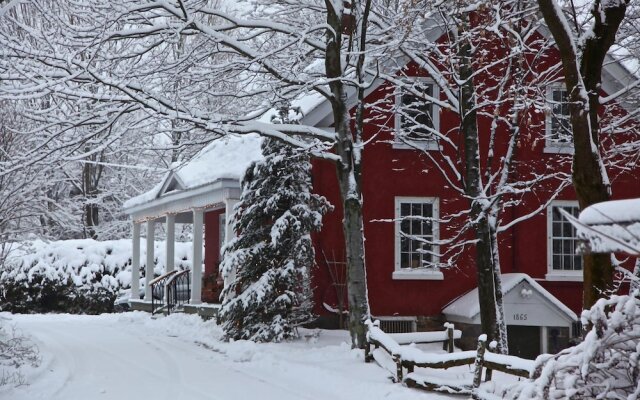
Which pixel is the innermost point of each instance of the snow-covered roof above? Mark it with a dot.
(468, 308)
(614, 211)
(610, 226)
(224, 158)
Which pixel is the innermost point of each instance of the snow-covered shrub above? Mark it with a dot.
(272, 254)
(75, 276)
(606, 365)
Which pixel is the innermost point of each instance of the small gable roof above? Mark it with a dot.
(520, 292)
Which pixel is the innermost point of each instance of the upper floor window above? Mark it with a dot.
(417, 119)
(558, 135)
(562, 241)
(417, 232)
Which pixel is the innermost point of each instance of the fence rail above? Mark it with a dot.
(408, 357)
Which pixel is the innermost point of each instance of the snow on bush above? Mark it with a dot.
(606, 365)
(80, 276)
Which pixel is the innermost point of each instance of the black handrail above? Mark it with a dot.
(157, 291)
(178, 289)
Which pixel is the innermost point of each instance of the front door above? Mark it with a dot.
(524, 341)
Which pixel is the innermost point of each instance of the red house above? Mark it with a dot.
(409, 288)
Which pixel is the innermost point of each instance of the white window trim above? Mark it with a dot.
(551, 146)
(556, 275)
(426, 145)
(416, 273)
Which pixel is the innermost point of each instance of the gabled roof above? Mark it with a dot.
(466, 308)
(224, 158)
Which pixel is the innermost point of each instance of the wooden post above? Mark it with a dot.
(399, 374)
(488, 373)
(367, 352)
(477, 375)
(410, 368)
(450, 338)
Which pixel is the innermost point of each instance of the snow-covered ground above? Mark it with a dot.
(132, 356)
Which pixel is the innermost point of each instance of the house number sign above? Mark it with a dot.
(520, 317)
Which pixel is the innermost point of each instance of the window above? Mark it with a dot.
(558, 135)
(563, 262)
(417, 118)
(416, 229)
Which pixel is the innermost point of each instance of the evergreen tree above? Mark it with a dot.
(270, 294)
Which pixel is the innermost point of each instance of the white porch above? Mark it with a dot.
(210, 182)
(177, 206)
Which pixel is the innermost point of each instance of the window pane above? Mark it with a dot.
(577, 263)
(415, 260)
(404, 226)
(404, 244)
(416, 224)
(404, 260)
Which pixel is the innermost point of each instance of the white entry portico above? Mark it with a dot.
(209, 182)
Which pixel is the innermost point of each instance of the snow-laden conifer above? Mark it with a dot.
(267, 266)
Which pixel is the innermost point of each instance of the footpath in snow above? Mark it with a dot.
(131, 356)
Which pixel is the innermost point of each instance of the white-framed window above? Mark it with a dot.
(558, 134)
(416, 232)
(417, 119)
(562, 261)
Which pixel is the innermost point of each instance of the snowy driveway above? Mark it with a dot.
(131, 356)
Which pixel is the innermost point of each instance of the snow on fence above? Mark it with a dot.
(410, 357)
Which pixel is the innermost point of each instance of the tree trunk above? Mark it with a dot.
(349, 179)
(583, 87)
(501, 325)
(90, 208)
(473, 189)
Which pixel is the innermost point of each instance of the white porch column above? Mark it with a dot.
(171, 239)
(135, 262)
(196, 271)
(229, 234)
(150, 258)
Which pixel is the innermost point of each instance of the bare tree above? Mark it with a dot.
(583, 55)
(228, 62)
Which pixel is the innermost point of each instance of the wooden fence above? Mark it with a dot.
(409, 357)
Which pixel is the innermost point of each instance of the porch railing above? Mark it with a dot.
(170, 291)
(178, 290)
